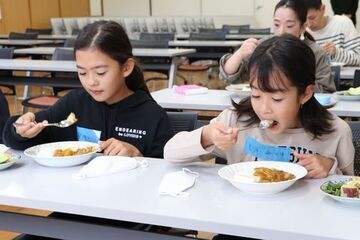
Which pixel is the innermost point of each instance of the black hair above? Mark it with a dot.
(300, 10)
(312, 4)
(110, 38)
(287, 56)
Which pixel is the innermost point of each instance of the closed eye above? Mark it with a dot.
(100, 73)
(82, 73)
(277, 99)
(255, 96)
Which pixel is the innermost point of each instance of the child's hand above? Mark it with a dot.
(114, 147)
(28, 128)
(218, 134)
(317, 166)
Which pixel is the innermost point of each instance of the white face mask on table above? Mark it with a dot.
(175, 183)
(105, 165)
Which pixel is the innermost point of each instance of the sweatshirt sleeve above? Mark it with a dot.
(349, 52)
(240, 76)
(186, 147)
(324, 81)
(55, 113)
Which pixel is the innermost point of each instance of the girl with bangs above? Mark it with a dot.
(282, 80)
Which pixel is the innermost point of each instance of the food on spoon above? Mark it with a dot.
(4, 158)
(71, 118)
(266, 123)
(72, 151)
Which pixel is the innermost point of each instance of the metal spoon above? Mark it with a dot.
(71, 119)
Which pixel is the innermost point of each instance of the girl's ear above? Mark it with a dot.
(309, 92)
(128, 67)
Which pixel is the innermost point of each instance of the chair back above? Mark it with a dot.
(17, 35)
(157, 36)
(150, 44)
(208, 36)
(7, 53)
(234, 29)
(182, 121)
(63, 54)
(70, 42)
(255, 31)
(211, 30)
(335, 72)
(44, 31)
(356, 82)
(355, 128)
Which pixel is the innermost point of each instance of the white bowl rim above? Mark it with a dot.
(297, 177)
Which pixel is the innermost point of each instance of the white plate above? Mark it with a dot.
(341, 96)
(247, 186)
(10, 162)
(338, 198)
(341, 64)
(242, 89)
(43, 154)
(331, 103)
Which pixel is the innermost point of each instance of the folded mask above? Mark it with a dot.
(175, 183)
(105, 165)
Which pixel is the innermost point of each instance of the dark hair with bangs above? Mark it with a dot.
(286, 56)
(110, 38)
(313, 4)
(300, 10)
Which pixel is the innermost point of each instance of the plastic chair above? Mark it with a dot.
(157, 36)
(335, 70)
(17, 35)
(44, 31)
(234, 29)
(182, 121)
(45, 101)
(355, 128)
(7, 53)
(70, 42)
(255, 31)
(208, 36)
(149, 44)
(356, 82)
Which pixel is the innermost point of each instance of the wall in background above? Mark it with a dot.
(126, 7)
(17, 15)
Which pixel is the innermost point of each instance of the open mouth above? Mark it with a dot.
(268, 124)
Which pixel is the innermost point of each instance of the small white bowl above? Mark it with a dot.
(247, 185)
(43, 153)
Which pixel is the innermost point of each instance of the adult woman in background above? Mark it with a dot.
(289, 17)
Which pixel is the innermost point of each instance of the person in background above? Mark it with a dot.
(4, 113)
(282, 81)
(347, 8)
(114, 102)
(336, 34)
(289, 17)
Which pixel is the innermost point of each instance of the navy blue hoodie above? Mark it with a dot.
(4, 112)
(137, 119)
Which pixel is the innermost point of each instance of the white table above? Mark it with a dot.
(205, 43)
(218, 100)
(25, 42)
(172, 53)
(46, 36)
(301, 212)
(230, 36)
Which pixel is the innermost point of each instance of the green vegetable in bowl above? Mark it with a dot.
(4, 158)
(352, 92)
(333, 188)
